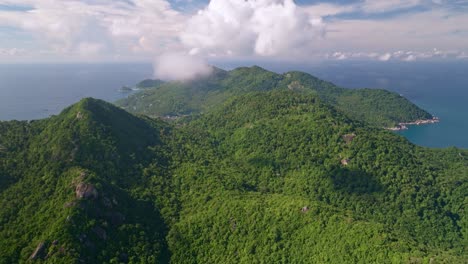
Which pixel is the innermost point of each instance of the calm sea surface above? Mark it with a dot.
(38, 91)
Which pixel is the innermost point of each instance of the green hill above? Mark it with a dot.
(377, 107)
(270, 176)
(148, 83)
(75, 184)
(264, 182)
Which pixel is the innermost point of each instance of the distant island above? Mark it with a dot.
(242, 166)
(126, 89)
(377, 107)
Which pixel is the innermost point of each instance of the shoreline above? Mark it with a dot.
(404, 125)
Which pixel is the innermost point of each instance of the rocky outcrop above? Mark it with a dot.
(295, 85)
(38, 252)
(348, 138)
(69, 204)
(86, 191)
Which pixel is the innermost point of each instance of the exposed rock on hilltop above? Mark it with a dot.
(86, 191)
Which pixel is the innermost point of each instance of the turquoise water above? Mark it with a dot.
(37, 91)
(439, 88)
(453, 128)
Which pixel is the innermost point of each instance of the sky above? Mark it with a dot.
(197, 30)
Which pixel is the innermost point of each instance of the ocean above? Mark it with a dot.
(38, 91)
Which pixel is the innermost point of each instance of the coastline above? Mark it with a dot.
(404, 126)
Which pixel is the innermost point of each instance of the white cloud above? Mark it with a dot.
(417, 31)
(143, 29)
(400, 55)
(326, 9)
(379, 6)
(180, 66)
(90, 48)
(462, 55)
(410, 57)
(101, 27)
(262, 27)
(12, 52)
(385, 57)
(339, 56)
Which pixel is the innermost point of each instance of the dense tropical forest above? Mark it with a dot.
(250, 175)
(179, 98)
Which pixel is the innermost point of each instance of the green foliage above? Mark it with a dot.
(258, 178)
(174, 99)
(386, 204)
(93, 144)
(149, 83)
(391, 107)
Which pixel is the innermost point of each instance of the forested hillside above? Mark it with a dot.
(292, 180)
(73, 187)
(173, 99)
(270, 176)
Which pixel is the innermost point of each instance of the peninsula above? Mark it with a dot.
(377, 107)
(404, 125)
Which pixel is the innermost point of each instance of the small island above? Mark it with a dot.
(126, 89)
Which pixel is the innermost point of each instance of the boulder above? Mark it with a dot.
(38, 251)
(348, 138)
(86, 191)
(345, 162)
(69, 204)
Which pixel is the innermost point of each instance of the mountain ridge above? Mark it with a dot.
(375, 106)
(265, 176)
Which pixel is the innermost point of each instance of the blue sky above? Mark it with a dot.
(142, 30)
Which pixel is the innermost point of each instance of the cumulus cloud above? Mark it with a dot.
(144, 29)
(105, 27)
(12, 52)
(262, 27)
(462, 55)
(327, 9)
(180, 66)
(385, 57)
(410, 57)
(400, 55)
(379, 6)
(339, 56)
